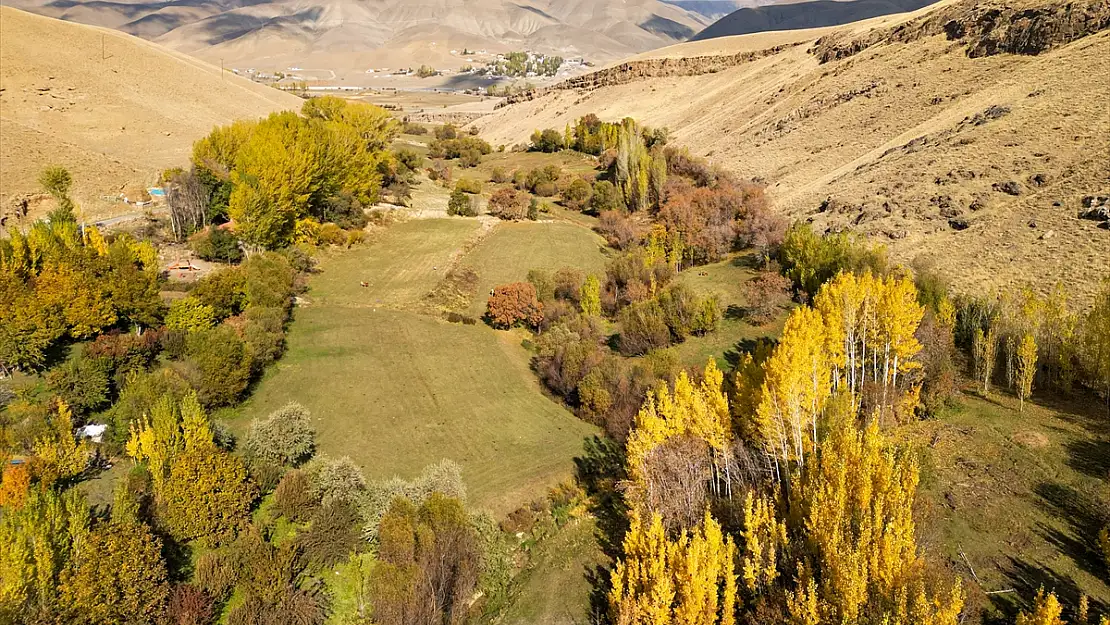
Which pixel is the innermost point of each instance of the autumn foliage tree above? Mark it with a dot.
(201, 491)
(512, 304)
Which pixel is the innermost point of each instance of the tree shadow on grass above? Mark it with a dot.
(599, 471)
(1084, 516)
(1090, 457)
(1028, 577)
(744, 346)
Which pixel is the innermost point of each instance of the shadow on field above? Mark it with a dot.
(745, 346)
(1084, 515)
(1090, 457)
(1028, 577)
(599, 472)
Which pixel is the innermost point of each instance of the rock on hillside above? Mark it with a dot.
(114, 109)
(945, 132)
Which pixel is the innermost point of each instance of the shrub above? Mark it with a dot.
(332, 234)
(643, 328)
(468, 185)
(335, 532)
(215, 575)
(219, 365)
(508, 203)
(512, 304)
(269, 280)
(334, 480)
(549, 140)
(568, 283)
(284, 437)
(82, 383)
(293, 497)
(809, 260)
(189, 314)
(546, 189)
(619, 230)
(461, 204)
(606, 197)
(454, 148)
(545, 285)
(263, 330)
(412, 128)
(409, 159)
(440, 171)
(447, 131)
(426, 71)
(520, 179)
(223, 290)
(577, 194)
(190, 605)
(470, 157)
(499, 175)
(534, 209)
(217, 245)
(765, 295)
(344, 210)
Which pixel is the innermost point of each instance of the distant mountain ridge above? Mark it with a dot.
(794, 16)
(362, 34)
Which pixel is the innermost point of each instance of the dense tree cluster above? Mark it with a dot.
(329, 159)
(61, 281)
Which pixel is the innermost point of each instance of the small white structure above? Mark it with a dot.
(93, 432)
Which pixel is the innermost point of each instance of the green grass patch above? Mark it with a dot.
(1017, 497)
(407, 261)
(725, 278)
(396, 390)
(555, 588)
(515, 248)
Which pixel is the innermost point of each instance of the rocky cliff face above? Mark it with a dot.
(648, 69)
(985, 28)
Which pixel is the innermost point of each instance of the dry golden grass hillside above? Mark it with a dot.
(967, 132)
(114, 109)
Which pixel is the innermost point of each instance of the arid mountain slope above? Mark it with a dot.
(351, 36)
(112, 108)
(968, 132)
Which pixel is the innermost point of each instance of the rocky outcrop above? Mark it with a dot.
(986, 28)
(634, 71)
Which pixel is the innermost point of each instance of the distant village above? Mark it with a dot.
(494, 68)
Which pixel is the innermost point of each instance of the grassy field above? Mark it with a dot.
(396, 390)
(555, 589)
(514, 248)
(1015, 500)
(726, 279)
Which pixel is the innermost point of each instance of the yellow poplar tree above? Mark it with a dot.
(797, 382)
(699, 410)
(59, 455)
(687, 581)
(1026, 368)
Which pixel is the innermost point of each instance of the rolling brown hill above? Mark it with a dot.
(969, 133)
(116, 110)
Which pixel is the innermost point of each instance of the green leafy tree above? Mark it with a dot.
(219, 364)
(190, 314)
(590, 299)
